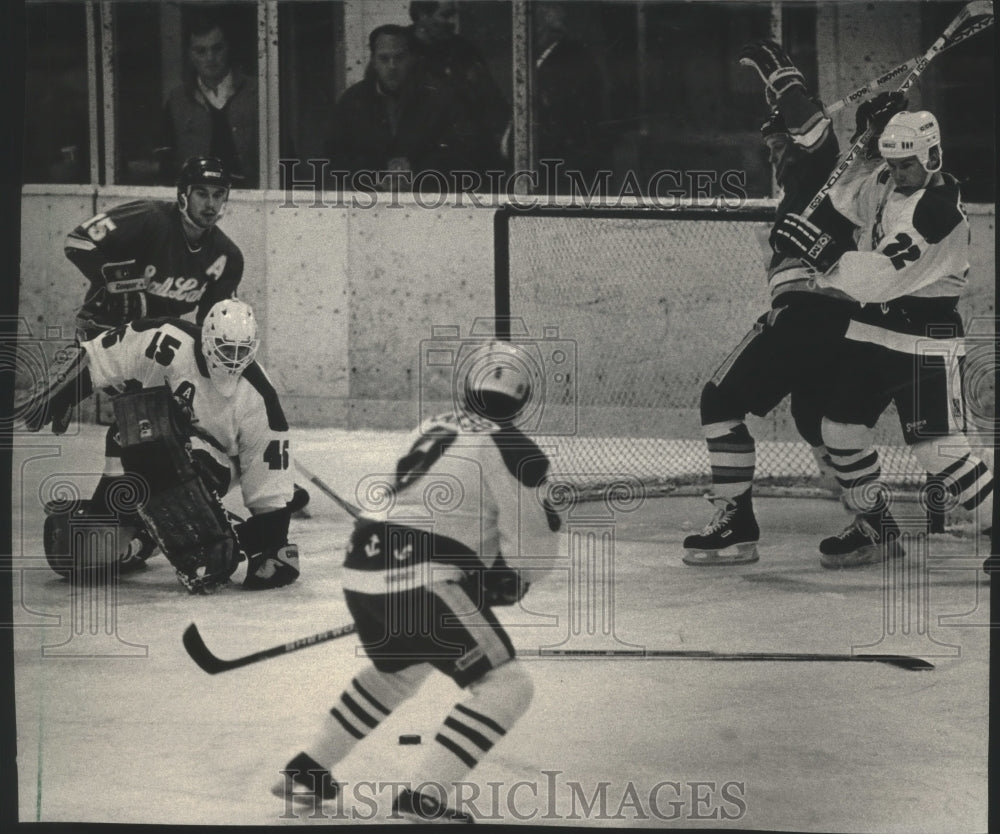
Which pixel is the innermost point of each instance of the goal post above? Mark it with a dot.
(642, 305)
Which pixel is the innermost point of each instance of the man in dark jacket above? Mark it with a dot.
(396, 129)
(214, 113)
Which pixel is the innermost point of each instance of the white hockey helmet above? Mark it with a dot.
(229, 342)
(498, 381)
(913, 134)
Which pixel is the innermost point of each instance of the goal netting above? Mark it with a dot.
(629, 313)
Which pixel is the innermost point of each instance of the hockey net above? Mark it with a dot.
(629, 313)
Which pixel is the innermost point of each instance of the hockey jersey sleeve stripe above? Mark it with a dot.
(75, 242)
(255, 375)
(936, 216)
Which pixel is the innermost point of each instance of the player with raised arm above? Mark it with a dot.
(794, 347)
(909, 271)
(193, 410)
(466, 528)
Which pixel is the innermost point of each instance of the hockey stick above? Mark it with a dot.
(978, 15)
(347, 506)
(201, 654)
(900, 661)
(870, 87)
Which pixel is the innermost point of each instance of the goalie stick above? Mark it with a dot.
(347, 506)
(201, 654)
(975, 17)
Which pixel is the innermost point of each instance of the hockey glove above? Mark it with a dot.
(502, 585)
(273, 562)
(796, 237)
(273, 568)
(117, 298)
(773, 65)
(873, 115)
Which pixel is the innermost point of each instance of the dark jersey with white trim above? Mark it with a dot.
(144, 241)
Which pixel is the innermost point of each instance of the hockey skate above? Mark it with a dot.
(422, 808)
(306, 780)
(870, 538)
(733, 527)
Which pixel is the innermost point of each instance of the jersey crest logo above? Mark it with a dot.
(179, 289)
(373, 549)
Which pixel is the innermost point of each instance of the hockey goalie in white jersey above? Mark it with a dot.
(195, 412)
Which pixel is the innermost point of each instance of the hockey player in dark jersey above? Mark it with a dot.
(152, 258)
(793, 347)
(156, 258)
(195, 413)
(421, 579)
(909, 269)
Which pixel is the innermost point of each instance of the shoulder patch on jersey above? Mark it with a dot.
(522, 457)
(255, 375)
(937, 213)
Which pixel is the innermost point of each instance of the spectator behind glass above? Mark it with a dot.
(568, 93)
(214, 112)
(448, 58)
(396, 120)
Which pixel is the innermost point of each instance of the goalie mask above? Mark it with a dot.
(913, 135)
(229, 343)
(498, 382)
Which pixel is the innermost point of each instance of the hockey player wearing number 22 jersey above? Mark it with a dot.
(912, 262)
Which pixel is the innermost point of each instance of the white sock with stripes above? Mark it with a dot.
(369, 698)
(472, 727)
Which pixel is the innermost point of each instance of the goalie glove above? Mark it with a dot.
(773, 66)
(273, 562)
(873, 115)
(797, 237)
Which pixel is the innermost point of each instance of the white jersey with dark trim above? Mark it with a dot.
(477, 484)
(910, 243)
(248, 430)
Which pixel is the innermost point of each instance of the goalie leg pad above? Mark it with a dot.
(193, 531)
(184, 517)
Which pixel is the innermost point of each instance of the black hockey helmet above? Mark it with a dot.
(202, 170)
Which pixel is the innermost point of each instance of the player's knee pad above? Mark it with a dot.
(715, 406)
(392, 688)
(845, 435)
(184, 517)
(504, 692)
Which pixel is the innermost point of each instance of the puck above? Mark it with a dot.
(409, 739)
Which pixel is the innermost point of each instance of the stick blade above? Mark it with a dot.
(199, 653)
(901, 661)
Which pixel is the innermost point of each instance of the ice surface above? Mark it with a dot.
(116, 724)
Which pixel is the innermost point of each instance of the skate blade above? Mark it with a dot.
(746, 554)
(861, 558)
